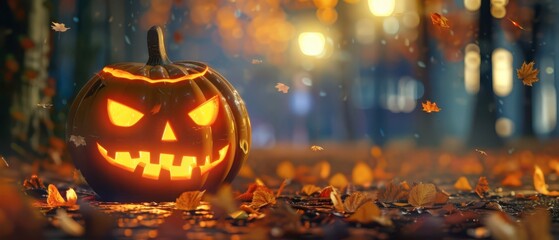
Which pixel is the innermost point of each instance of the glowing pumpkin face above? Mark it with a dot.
(154, 131)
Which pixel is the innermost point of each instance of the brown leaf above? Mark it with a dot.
(394, 192)
(462, 184)
(539, 183)
(422, 195)
(309, 189)
(189, 200)
(366, 213)
(355, 200)
(441, 197)
(527, 73)
(482, 187)
(262, 198)
(439, 20)
(33, 183)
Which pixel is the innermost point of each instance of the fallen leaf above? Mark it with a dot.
(325, 192)
(540, 185)
(512, 180)
(430, 107)
(34, 182)
(441, 197)
(59, 27)
(316, 148)
(527, 73)
(309, 189)
(362, 174)
(355, 200)
(482, 187)
(439, 20)
(282, 87)
(262, 198)
(68, 225)
(462, 184)
(54, 199)
(337, 201)
(423, 194)
(394, 192)
(189, 200)
(366, 213)
(338, 181)
(77, 140)
(239, 214)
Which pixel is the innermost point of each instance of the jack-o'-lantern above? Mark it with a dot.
(148, 132)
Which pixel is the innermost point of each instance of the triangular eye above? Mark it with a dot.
(206, 113)
(122, 115)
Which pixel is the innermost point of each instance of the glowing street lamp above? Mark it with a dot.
(382, 8)
(312, 43)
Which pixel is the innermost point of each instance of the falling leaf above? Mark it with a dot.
(262, 198)
(68, 224)
(338, 181)
(439, 20)
(366, 213)
(462, 184)
(59, 27)
(45, 105)
(394, 192)
(527, 73)
(54, 199)
(482, 187)
(309, 189)
(77, 140)
(430, 107)
(337, 202)
(540, 185)
(286, 170)
(256, 61)
(483, 153)
(422, 195)
(362, 174)
(282, 87)
(516, 24)
(316, 148)
(355, 200)
(189, 200)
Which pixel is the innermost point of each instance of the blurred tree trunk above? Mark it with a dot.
(483, 134)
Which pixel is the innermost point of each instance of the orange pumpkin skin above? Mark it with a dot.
(155, 130)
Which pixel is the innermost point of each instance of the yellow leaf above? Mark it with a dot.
(362, 174)
(54, 199)
(261, 198)
(189, 200)
(539, 183)
(339, 181)
(422, 195)
(482, 187)
(286, 170)
(316, 148)
(309, 189)
(355, 200)
(367, 213)
(462, 184)
(337, 201)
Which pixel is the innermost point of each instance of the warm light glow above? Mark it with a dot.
(153, 170)
(504, 127)
(312, 43)
(122, 115)
(382, 8)
(168, 133)
(206, 113)
(472, 61)
(472, 5)
(126, 75)
(391, 25)
(71, 196)
(545, 96)
(502, 72)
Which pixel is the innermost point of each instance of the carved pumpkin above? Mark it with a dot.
(152, 131)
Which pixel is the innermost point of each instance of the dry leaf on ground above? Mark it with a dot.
(462, 184)
(189, 200)
(423, 194)
(54, 199)
(355, 200)
(262, 198)
(482, 187)
(539, 183)
(366, 213)
(337, 201)
(394, 192)
(309, 189)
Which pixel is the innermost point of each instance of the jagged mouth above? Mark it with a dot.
(178, 170)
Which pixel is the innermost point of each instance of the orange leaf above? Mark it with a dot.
(482, 187)
(439, 20)
(366, 213)
(462, 184)
(512, 180)
(539, 183)
(262, 198)
(430, 107)
(54, 199)
(422, 195)
(309, 189)
(189, 200)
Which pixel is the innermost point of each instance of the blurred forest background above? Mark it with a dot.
(361, 77)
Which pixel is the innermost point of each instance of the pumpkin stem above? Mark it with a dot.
(156, 47)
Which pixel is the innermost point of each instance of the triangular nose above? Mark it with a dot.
(168, 133)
